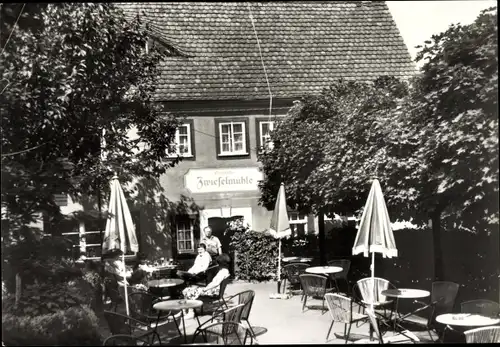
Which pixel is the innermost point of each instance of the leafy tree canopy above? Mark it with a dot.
(330, 146)
(71, 71)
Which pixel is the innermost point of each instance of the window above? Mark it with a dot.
(185, 237)
(298, 223)
(183, 141)
(232, 137)
(265, 128)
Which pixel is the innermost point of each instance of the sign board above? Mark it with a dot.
(222, 180)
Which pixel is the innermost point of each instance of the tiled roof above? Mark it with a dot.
(306, 45)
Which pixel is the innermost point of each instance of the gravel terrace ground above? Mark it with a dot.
(280, 321)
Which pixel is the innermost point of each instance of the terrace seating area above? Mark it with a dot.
(320, 312)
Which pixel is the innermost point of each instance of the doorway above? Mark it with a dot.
(219, 226)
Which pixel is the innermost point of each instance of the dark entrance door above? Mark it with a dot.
(219, 226)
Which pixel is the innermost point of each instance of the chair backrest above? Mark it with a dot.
(313, 285)
(445, 294)
(481, 306)
(246, 298)
(340, 307)
(222, 288)
(118, 324)
(345, 264)
(125, 340)
(224, 333)
(294, 270)
(141, 305)
(483, 335)
(371, 289)
(233, 314)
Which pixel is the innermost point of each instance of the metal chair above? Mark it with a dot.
(345, 264)
(443, 295)
(225, 333)
(141, 308)
(481, 306)
(292, 273)
(341, 311)
(124, 340)
(232, 314)
(368, 292)
(120, 324)
(313, 286)
(483, 335)
(246, 298)
(216, 299)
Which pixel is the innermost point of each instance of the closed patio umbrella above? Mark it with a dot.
(375, 234)
(280, 226)
(120, 230)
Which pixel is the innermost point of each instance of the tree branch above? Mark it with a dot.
(23, 151)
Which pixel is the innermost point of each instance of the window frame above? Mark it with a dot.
(190, 222)
(258, 129)
(191, 155)
(246, 138)
(299, 221)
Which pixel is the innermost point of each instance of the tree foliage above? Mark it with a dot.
(330, 146)
(451, 124)
(433, 146)
(73, 71)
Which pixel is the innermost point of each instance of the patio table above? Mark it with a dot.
(465, 321)
(323, 270)
(296, 260)
(176, 305)
(157, 287)
(404, 293)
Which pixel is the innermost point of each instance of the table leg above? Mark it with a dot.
(184, 326)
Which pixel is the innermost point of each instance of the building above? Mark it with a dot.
(220, 86)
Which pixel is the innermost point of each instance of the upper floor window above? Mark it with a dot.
(183, 143)
(265, 128)
(232, 137)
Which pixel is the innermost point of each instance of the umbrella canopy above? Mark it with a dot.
(375, 234)
(280, 226)
(120, 230)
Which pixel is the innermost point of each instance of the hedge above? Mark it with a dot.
(76, 326)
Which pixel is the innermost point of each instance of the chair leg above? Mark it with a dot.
(284, 286)
(304, 304)
(348, 333)
(250, 328)
(329, 330)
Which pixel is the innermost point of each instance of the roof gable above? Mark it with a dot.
(306, 45)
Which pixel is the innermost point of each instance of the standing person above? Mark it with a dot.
(201, 263)
(214, 246)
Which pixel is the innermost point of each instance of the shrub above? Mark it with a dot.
(257, 255)
(76, 326)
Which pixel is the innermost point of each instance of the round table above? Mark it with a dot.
(404, 293)
(323, 270)
(176, 305)
(165, 282)
(466, 320)
(296, 260)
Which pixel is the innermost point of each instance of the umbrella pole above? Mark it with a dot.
(125, 283)
(372, 267)
(279, 264)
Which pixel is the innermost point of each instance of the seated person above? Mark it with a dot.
(214, 247)
(117, 267)
(201, 263)
(212, 289)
